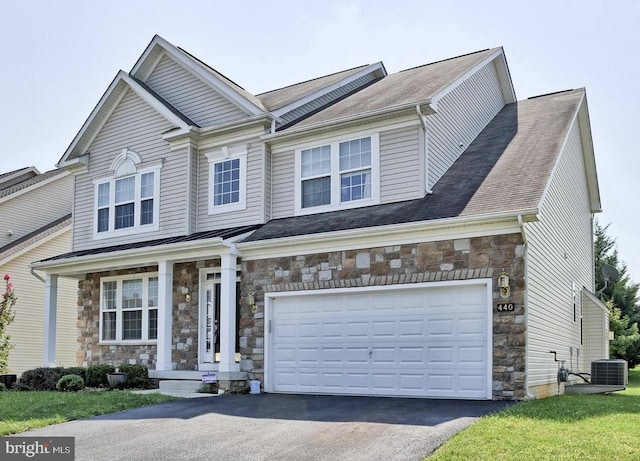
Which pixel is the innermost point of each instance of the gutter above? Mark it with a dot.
(387, 230)
(347, 119)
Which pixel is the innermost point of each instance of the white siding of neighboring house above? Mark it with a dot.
(190, 95)
(27, 331)
(53, 200)
(135, 125)
(254, 212)
(559, 255)
(462, 115)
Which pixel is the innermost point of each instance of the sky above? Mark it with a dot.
(58, 57)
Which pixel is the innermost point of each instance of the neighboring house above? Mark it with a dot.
(35, 223)
(344, 235)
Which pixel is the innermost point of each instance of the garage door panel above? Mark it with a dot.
(429, 342)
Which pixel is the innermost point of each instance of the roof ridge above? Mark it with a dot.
(444, 60)
(552, 93)
(313, 79)
(209, 67)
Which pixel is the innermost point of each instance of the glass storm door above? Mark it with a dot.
(209, 307)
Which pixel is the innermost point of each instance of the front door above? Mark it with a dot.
(208, 322)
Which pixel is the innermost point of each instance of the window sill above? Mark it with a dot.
(343, 206)
(128, 343)
(126, 231)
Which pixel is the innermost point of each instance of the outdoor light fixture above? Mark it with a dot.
(503, 284)
(251, 301)
(186, 293)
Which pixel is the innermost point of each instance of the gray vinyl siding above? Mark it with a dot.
(267, 182)
(400, 177)
(283, 179)
(462, 115)
(560, 253)
(27, 331)
(190, 95)
(45, 203)
(399, 158)
(254, 212)
(327, 98)
(135, 125)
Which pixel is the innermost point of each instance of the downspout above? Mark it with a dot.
(423, 120)
(36, 275)
(529, 395)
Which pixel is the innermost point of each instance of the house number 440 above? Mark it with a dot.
(505, 307)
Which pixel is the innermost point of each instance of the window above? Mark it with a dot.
(129, 308)
(128, 201)
(340, 174)
(227, 179)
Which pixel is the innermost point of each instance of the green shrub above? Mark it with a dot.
(97, 375)
(40, 379)
(70, 383)
(137, 375)
(79, 371)
(2, 387)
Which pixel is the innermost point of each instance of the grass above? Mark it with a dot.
(568, 427)
(22, 411)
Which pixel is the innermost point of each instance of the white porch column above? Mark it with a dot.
(228, 313)
(165, 315)
(50, 312)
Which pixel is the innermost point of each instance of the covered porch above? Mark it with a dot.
(172, 305)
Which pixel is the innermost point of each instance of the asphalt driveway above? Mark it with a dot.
(273, 427)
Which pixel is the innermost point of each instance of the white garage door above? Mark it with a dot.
(409, 341)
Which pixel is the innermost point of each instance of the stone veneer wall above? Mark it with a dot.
(90, 352)
(481, 257)
(184, 341)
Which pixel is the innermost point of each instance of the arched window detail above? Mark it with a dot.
(127, 202)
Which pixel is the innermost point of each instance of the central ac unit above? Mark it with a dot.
(609, 372)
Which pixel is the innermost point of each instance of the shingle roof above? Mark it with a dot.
(30, 182)
(221, 233)
(280, 97)
(36, 235)
(248, 96)
(408, 86)
(165, 103)
(506, 168)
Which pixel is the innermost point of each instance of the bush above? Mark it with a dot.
(40, 379)
(70, 383)
(97, 375)
(137, 375)
(79, 371)
(2, 387)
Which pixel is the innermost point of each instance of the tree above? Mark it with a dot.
(6, 317)
(621, 298)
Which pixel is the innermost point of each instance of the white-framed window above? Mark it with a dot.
(338, 173)
(227, 179)
(129, 308)
(128, 201)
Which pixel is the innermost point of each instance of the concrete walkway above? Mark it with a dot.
(273, 427)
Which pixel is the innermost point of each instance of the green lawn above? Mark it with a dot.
(22, 411)
(569, 427)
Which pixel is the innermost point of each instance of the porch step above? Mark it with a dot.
(180, 385)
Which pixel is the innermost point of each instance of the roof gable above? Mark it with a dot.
(74, 155)
(154, 52)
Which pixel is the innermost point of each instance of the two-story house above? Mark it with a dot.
(35, 223)
(421, 233)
